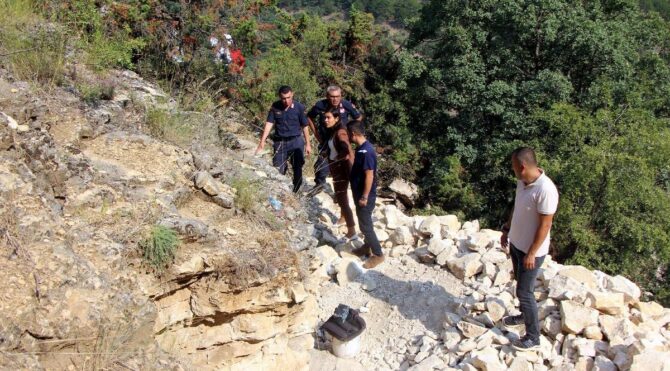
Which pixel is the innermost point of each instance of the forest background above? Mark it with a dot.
(448, 88)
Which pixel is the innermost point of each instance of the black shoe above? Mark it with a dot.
(315, 190)
(526, 344)
(513, 321)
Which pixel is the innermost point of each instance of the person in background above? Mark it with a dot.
(315, 117)
(528, 235)
(291, 135)
(364, 189)
(340, 161)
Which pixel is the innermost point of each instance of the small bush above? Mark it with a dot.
(92, 94)
(168, 126)
(247, 197)
(159, 248)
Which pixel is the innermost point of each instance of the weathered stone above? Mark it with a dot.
(437, 245)
(470, 330)
(478, 242)
(651, 361)
(406, 191)
(465, 266)
(585, 347)
(451, 337)
(487, 360)
(203, 161)
(205, 181)
(608, 303)
(546, 308)
(428, 363)
(495, 309)
(520, 364)
(224, 200)
(431, 227)
(584, 364)
(399, 250)
(348, 270)
(494, 256)
(623, 285)
(616, 327)
(580, 274)
(503, 277)
(382, 235)
(593, 333)
(190, 228)
(602, 363)
(298, 293)
(450, 222)
(402, 236)
(552, 326)
(575, 317)
(446, 255)
(651, 308)
(566, 288)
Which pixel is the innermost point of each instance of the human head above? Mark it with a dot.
(332, 118)
(357, 132)
(524, 163)
(286, 95)
(334, 95)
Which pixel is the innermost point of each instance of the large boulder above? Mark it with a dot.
(566, 288)
(478, 242)
(651, 361)
(470, 330)
(402, 236)
(430, 227)
(450, 222)
(406, 191)
(487, 360)
(616, 327)
(608, 303)
(580, 274)
(623, 285)
(205, 181)
(602, 363)
(575, 317)
(466, 266)
(437, 245)
(651, 308)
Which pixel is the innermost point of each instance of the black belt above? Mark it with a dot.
(285, 139)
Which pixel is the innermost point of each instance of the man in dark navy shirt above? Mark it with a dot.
(290, 123)
(364, 189)
(315, 117)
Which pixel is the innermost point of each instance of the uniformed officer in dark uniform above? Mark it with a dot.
(315, 116)
(291, 135)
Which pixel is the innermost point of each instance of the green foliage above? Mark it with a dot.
(159, 248)
(401, 11)
(31, 49)
(168, 125)
(247, 197)
(586, 84)
(94, 93)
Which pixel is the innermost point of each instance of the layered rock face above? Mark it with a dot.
(81, 185)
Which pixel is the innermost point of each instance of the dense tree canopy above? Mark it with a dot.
(586, 84)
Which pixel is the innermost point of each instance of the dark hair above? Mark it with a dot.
(284, 89)
(525, 155)
(357, 128)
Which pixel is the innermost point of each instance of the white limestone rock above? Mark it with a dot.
(575, 317)
(466, 266)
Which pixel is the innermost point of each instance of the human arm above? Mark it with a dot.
(308, 145)
(540, 235)
(312, 126)
(264, 136)
(367, 187)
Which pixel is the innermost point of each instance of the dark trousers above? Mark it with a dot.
(340, 170)
(525, 285)
(364, 215)
(321, 170)
(290, 151)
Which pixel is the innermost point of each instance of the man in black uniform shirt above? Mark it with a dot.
(291, 135)
(315, 117)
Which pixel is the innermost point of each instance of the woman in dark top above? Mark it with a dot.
(340, 160)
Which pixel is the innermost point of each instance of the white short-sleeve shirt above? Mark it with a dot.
(539, 197)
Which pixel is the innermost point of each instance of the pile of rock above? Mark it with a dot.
(589, 320)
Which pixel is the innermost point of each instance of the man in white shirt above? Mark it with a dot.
(528, 235)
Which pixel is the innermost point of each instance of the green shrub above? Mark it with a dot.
(159, 248)
(247, 197)
(94, 93)
(168, 126)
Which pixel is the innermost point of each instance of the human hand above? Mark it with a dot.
(363, 202)
(260, 148)
(529, 261)
(308, 149)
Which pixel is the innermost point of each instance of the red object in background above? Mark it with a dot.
(238, 60)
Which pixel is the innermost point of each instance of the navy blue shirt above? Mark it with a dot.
(366, 159)
(347, 110)
(289, 121)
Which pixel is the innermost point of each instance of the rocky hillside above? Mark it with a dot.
(82, 185)
(87, 184)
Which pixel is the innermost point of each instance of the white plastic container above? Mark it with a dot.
(346, 349)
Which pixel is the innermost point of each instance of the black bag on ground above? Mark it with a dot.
(345, 324)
